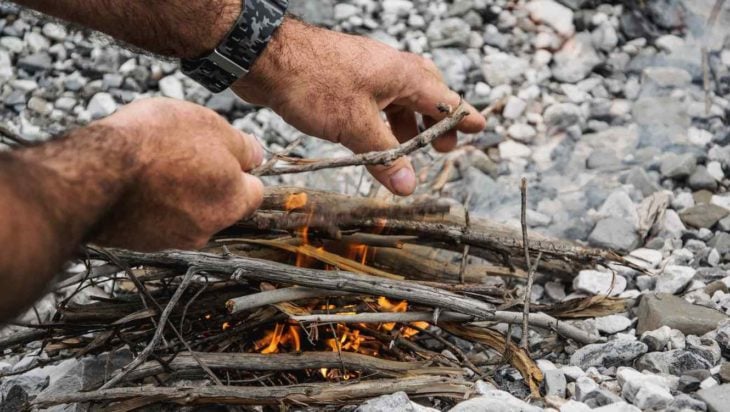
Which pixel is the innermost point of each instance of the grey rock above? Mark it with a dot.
(455, 66)
(448, 33)
(599, 283)
(688, 384)
(662, 121)
(497, 401)
(703, 215)
(576, 60)
(615, 234)
(674, 278)
(717, 398)
(562, 116)
(101, 105)
(678, 166)
(318, 12)
(54, 31)
(32, 383)
(614, 353)
(657, 310)
(555, 383)
(172, 87)
(612, 323)
(664, 78)
(603, 159)
(721, 242)
(641, 181)
(601, 397)
(702, 179)
(723, 337)
(645, 391)
(89, 373)
(502, 68)
(675, 362)
(36, 62)
(617, 407)
(398, 401)
(724, 224)
(222, 102)
(656, 340)
(584, 385)
(685, 403)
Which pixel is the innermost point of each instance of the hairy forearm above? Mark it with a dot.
(174, 28)
(51, 198)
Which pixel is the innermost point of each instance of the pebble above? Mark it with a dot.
(612, 324)
(599, 283)
(509, 150)
(514, 108)
(172, 87)
(397, 401)
(576, 60)
(646, 391)
(614, 353)
(614, 233)
(717, 398)
(555, 382)
(674, 278)
(495, 400)
(101, 105)
(657, 310)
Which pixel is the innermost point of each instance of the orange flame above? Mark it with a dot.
(295, 201)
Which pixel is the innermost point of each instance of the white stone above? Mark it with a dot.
(699, 137)
(101, 105)
(646, 258)
(674, 278)
(502, 68)
(714, 168)
(619, 205)
(398, 7)
(522, 132)
(572, 372)
(495, 400)
(612, 324)
(599, 283)
(344, 11)
(512, 150)
(574, 406)
(722, 201)
(514, 108)
(617, 407)
(645, 391)
(553, 14)
(172, 87)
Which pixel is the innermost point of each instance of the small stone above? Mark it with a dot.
(65, 103)
(656, 340)
(172, 87)
(494, 400)
(648, 392)
(721, 243)
(600, 397)
(101, 105)
(724, 224)
(514, 108)
(714, 168)
(555, 291)
(39, 105)
(502, 68)
(688, 384)
(614, 233)
(617, 407)
(562, 116)
(602, 159)
(614, 353)
(522, 132)
(54, 31)
(686, 403)
(512, 150)
(674, 278)
(646, 258)
(702, 179)
(703, 215)
(576, 60)
(599, 283)
(583, 386)
(657, 310)
(683, 201)
(675, 166)
(612, 323)
(555, 383)
(724, 373)
(36, 62)
(674, 362)
(575, 406)
(553, 14)
(398, 401)
(717, 398)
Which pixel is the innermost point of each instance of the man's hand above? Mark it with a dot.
(189, 180)
(158, 174)
(334, 86)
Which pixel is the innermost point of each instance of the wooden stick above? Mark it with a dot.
(158, 332)
(246, 268)
(530, 272)
(540, 320)
(271, 297)
(256, 362)
(306, 394)
(377, 158)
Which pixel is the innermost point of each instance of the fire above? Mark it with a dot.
(287, 337)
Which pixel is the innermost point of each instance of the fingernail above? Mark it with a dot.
(403, 182)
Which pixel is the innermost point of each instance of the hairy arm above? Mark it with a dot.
(125, 181)
(52, 196)
(173, 28)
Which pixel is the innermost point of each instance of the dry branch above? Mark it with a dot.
(305, 394)
(246, 268)
(271, 297)
(255, 362)
(376, 158)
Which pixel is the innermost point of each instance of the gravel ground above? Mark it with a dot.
(605, 113)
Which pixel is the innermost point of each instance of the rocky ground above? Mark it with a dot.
(606, 112)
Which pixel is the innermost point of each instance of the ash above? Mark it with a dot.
(603, 107)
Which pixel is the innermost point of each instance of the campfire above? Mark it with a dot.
(319, 299)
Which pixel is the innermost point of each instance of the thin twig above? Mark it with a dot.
(142, 357)
(278, 156)
(530, 273)
(376, 158)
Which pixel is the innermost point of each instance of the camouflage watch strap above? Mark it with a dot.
(245, 42)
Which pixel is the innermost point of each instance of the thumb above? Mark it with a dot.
(372, 134)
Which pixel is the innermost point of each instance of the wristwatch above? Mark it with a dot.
(243, 44)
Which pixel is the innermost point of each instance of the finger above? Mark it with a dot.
(444, 143)
(371, 134)
(245, 148)
(430, 91)
(252, 195)
(402, 123)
